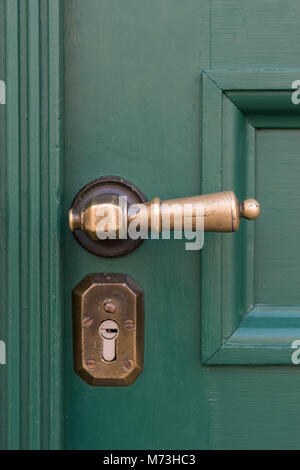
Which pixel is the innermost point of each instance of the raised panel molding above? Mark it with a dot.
(235, 104)
(31, 146)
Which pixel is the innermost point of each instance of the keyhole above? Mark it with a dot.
(109, 331)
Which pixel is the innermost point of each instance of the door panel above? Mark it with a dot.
(277, 257)
(133, 106)
(237, 327)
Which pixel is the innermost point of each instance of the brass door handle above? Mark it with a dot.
(220, 212)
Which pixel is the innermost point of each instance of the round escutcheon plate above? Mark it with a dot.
(107, 185)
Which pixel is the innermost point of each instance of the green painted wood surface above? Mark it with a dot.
(260, 34)
(3, 318)
(132, 79)
(133, 107)
(13, 306)
(31, 326)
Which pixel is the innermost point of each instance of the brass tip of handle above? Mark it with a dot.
(250, 209)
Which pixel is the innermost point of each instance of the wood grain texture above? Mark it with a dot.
(254, 408)
(257, 34)
(31, 389)
(262, 79)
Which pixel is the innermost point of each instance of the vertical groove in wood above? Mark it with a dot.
(250, 179)
(54, 221)
(31, 389)
(34, 230)
(24, 188)
(44, 215)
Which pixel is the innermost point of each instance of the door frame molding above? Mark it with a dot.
(31, 406)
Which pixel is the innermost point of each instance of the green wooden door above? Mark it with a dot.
(179, 98)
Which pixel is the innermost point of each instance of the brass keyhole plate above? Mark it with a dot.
(108, 329)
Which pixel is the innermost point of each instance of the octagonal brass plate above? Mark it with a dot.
(108, 299)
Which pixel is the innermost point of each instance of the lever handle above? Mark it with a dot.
(220, 212)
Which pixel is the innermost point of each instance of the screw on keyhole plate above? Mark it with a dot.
(109, 306)
(87, 322)
(129, 324)
(91, 364)
(128, 364)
